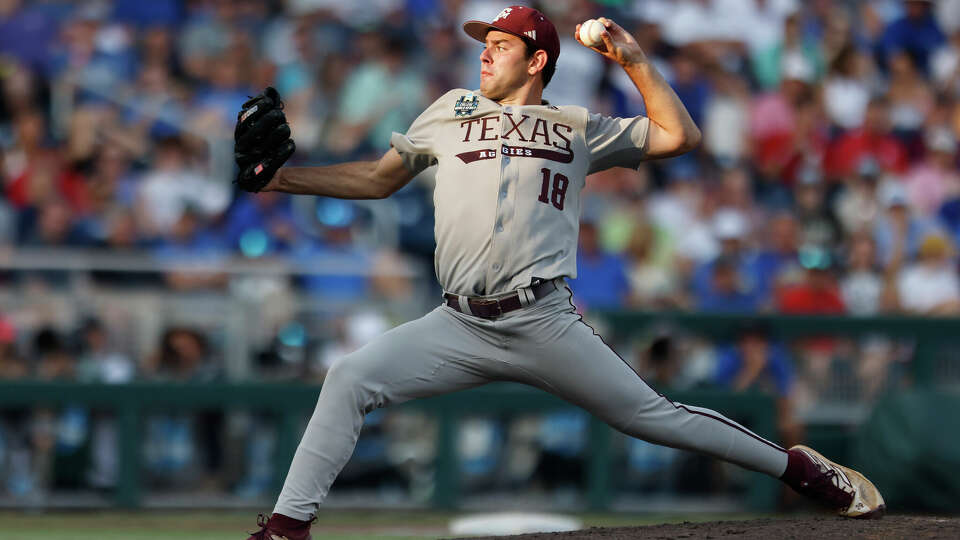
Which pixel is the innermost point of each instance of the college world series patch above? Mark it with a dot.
(466, 105)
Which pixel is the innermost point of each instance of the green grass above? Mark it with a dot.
(334, 525)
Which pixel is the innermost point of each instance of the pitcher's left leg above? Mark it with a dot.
(562, 355)
(559, 353)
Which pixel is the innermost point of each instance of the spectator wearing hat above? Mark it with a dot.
(898, 231)
(730, 282)
(930, 286)
(817, 293)
(857, 205)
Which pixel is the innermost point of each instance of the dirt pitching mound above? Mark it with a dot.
(816, 527)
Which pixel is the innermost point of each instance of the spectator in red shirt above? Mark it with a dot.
(874, 139)
(35, 173)
(787, 127)
(818, 292)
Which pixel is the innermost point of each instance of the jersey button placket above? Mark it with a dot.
(502, 202)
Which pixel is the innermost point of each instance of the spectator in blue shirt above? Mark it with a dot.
(191, 242)
(916, 33)
(726, 291)
(345, 261)
(755, 363)
(758, 363)
(262, 224)
(779, 255)
(601, 277)
(733, 281)
(691, 87)
(27, 31)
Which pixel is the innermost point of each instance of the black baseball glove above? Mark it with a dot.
(262, 140)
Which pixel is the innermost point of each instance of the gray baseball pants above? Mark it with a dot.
(545, 345)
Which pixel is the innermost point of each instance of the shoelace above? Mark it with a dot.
(262, 523)
(263, 533)
(828, 487)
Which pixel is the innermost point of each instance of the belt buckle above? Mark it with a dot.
(496, 303)
(499, 309)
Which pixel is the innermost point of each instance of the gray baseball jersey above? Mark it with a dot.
(507, 205)
(508, 184)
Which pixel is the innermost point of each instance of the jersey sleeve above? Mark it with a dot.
(416, 146)
(616, 142)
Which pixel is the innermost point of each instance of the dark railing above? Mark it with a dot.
(131, 402)
(927, 334)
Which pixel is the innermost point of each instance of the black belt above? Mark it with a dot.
(491, 309)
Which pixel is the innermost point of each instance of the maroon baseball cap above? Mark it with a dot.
(523, 22)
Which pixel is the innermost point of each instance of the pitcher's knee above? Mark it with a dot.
(624, 423)
(342, 373)
(642, 424)
(349, 380)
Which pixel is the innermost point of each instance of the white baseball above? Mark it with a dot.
(590, 32)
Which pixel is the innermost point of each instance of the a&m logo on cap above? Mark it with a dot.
(466, 105)
(503, 14)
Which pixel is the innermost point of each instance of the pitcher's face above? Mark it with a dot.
(503, 65)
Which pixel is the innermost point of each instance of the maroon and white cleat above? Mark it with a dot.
(281, 528)
(836, 486)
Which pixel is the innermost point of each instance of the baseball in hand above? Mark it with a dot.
(590, 32)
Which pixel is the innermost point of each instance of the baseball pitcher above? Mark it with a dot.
(511, 168)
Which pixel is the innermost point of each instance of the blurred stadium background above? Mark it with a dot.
(163, 336)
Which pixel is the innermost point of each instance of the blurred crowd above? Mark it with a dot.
(827, 181)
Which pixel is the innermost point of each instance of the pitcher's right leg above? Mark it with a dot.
(429, 356)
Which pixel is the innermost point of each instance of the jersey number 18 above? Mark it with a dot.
(560, 183)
